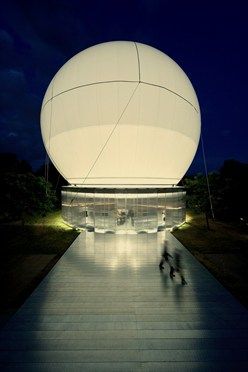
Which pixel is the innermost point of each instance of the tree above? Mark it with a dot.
(9, 163)
(197, 196)
(54, 178)
(25, 195)
(228, 190)
(234, 184)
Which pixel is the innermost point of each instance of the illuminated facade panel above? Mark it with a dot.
(123, 210)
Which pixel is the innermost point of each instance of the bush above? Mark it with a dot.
(25, 195)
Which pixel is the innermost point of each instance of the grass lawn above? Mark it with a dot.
(223, 251)
(27, 254)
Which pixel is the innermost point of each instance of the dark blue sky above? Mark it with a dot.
(207, 39)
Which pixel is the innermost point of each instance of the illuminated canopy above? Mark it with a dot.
(121, 113)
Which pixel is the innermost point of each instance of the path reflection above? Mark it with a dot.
(122, 251)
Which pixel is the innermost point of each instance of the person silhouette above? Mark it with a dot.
(178, 265)
(166, 258)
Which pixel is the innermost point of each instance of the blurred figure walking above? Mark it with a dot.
(166, 258)
(178, 265)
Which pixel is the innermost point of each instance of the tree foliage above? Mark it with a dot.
(9, 163)
(54, 178)
(22, 194)
(234, 185)
(228, 192)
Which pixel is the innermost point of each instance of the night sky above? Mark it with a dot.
(207, 39)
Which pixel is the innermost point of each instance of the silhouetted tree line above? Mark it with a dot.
(228, 192)
(25, 193)
(54, 178)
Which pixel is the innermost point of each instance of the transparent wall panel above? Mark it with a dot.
(73, 208)
(169, 210)
(105, 213)
(175, 208)
(83, 210)
(152, 215)
(79, 211)
(182, 207)
(130, 211)
(64, 205)
(121, 213)
(99, 213)
(111, 220)
(161, 211)
(136, 214)
(70, 196)
(69, 207)
(141, 214)
(124, 212)
(90, 208)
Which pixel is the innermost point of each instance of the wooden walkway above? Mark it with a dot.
(106, 306)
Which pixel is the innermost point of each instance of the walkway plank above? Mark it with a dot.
(105, 306)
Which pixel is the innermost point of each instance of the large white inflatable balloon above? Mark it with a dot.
(121, 113)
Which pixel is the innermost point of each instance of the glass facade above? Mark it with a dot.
(130, 210)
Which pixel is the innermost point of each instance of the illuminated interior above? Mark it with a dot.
(123, 210)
